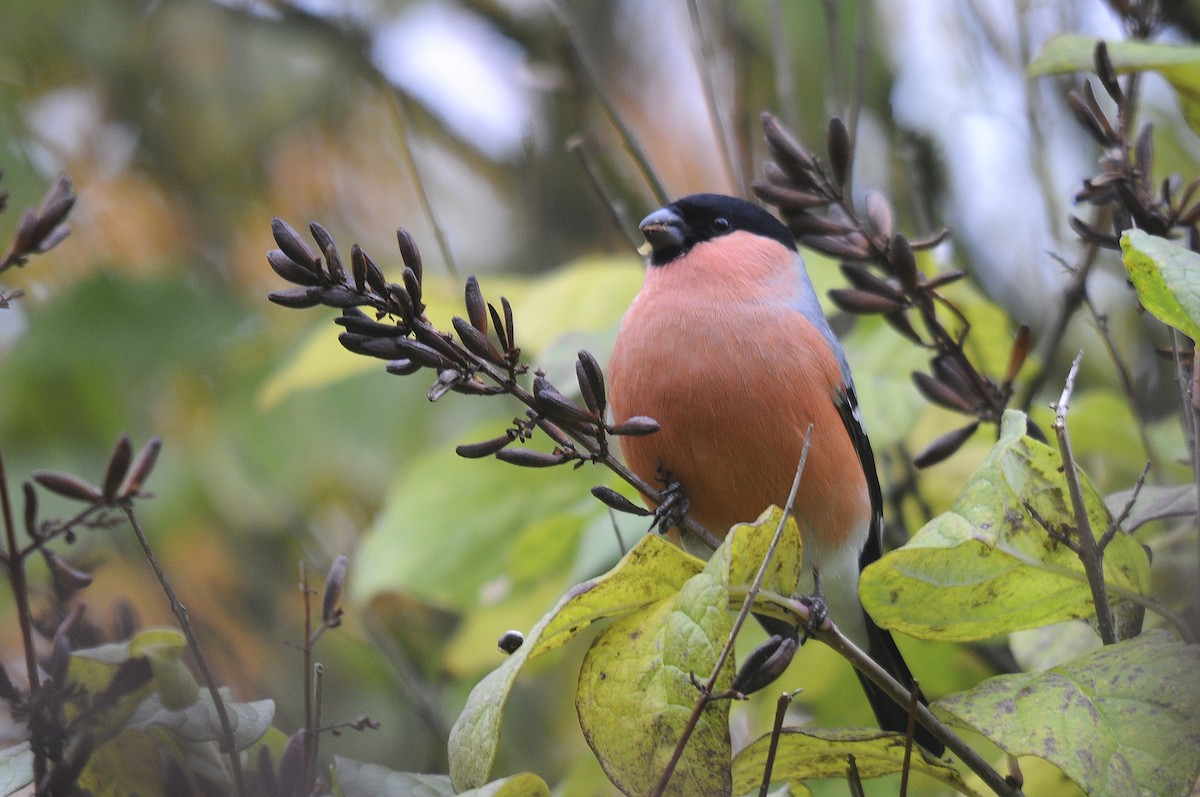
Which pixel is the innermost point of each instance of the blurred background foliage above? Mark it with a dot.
(186, 125)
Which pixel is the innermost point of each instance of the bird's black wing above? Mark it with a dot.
(881, 647)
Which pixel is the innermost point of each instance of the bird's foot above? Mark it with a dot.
(673, 508)
(818, 609)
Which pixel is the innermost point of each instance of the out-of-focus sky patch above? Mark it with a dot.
(471, 76)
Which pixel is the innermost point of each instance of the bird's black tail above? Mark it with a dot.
(890, 714)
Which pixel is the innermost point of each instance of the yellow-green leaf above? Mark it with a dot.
(988, 567)
(1167, 279)
(1178, 64)
(653, 570)
(806, 753)
(636, 692)
(1123, 720)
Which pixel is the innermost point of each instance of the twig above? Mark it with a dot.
(720, 121)
(310, 722)
(318, 682)
(783, 65)
(15, 562)
(580, 147)
(591, 74)
(831, 636)
(228, 740)
(1115, 526)
(399, 109)
(781, 707)
(703, 698)
(1090, 554)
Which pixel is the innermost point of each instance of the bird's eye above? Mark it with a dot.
(720, 224)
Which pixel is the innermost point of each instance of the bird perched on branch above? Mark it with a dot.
(727, 348)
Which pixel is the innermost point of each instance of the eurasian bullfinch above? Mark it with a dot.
(727, 348)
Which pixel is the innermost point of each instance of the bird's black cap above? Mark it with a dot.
(674, 229)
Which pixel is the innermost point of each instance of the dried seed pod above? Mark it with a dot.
(637, 426)
(498, 323)
(804, 224)
(292, 776)
(864, 280)
(1097, 126)
(528, 458)
(789, 153)
(31, 507)
(1091, 235)
(786, 197)
(333, 260)
(293, 245)
(336, 296)
(903, 263)
(412, 284)
(354, 320)
(945, 446)
(1017, 355)
(474, 386)
(841, 152)
(358, 267)
(26, 238)
(476, 306)
(425, 355)
(509, 327)
(373, 275)
(68, 486)
(775, 174)
(863, 303)
(899, 322)
(554, 404)
(118, 466)
(437, 341)
(1113, 139)
(335, 583)
(295, 298)
(290, 270)
(615, 501)
(140, 470)
(410, 253)
(445, 382)
(852, 246)
(954, 373)
(57, 201)
(476, 342)
(402, 302)
(764, 664)
(484, 448)
(403, 367)
(1143, 149)
(67, 579)
(922, 244)
(879, 214)
(510, 642)
(1106, 72)
(591, 382)
(941, 394)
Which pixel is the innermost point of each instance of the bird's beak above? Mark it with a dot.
(664, 230)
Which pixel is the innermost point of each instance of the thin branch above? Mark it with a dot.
(15, 562)
(227, 741)
(721, 122)
(592, 75)
(581, 148)
(399, 108)
(781, 707)
(831, 636)
(1090, 554)
(1115, 526)
(703, 699)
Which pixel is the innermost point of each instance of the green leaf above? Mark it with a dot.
(653, 569)
(805, 754)
(16, 767)
(1124, 720)
(636, 692)
(199, 723)
(987, 567)
(356, 779)
(1167, 279)
(1178, 64)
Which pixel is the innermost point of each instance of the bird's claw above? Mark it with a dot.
(674, 506)
(818, 609)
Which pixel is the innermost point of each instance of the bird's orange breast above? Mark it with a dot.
(734, 385)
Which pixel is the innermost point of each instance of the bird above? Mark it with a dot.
(727, 348)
